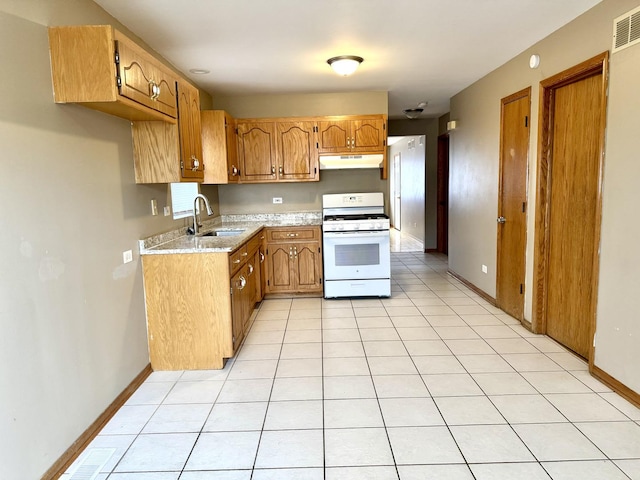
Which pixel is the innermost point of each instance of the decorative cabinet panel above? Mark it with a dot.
(219, 147)
(100, 68)
(294, 262)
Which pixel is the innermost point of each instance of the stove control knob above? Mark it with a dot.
(356, 227)
(378, 226)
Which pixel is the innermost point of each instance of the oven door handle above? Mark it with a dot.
(358, 234)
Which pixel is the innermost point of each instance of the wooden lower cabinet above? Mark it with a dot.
(294, 260)
(196, 319)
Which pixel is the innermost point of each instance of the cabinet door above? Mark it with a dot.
(307, 266)
(279, 258)
(297, 152)
(233, 172)
(189, 126)
(257, 151)
(144, 80)
(368, 135)
(238, 306)
(333, 136)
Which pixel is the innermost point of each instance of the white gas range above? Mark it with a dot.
(356, 249)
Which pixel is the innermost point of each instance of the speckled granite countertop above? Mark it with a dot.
(177, 241)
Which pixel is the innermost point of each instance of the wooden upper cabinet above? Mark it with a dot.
(358, 134)
(189, 124)
(219, 147)
(257, 151)
(99, 67)
(297, 154)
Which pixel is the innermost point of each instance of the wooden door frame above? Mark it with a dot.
(442, 235)
(593, 66)
(524, 93)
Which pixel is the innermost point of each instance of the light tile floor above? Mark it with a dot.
(432, 383)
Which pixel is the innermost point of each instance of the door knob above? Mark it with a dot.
(502, 220)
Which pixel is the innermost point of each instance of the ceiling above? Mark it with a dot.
(417, 50)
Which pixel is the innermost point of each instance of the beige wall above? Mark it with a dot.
(301, 196)
(71, 314)
(474, 178)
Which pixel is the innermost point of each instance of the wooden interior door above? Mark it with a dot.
(443, 194)
(569, 203)
(512, 203)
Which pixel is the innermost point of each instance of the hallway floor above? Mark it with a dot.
(431, 384)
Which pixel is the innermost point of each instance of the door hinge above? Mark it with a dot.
(231, 291)
(268, 282)
(315, 170)
(182, 166)
(317, 146)
(236, 131)
(521, 289)
(524, 206)
(526, 120)
(318, 249)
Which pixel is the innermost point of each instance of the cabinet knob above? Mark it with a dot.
(236, 261)
(280, 170)
(244, 254)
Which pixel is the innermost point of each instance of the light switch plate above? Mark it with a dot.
(167, 210)
(154, 206)
(277, 199)
(484, 269)
(127, 256)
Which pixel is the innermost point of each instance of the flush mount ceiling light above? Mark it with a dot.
(413, 113)
(199, 71)
(345, 64)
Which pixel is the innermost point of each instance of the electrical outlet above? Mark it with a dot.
(167, 210)
(277, 199)
(127, 256)
(154, 206)
(484, 269)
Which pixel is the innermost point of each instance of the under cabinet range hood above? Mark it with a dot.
(333, 162)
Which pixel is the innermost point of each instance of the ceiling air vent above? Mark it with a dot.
(626, 30)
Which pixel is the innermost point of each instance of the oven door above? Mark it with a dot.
(356, 255)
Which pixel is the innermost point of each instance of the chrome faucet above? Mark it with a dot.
(195, 210)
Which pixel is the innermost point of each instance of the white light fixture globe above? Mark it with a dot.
(345, 64)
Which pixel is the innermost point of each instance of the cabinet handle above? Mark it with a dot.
(234, 171)
(236, 261)
(292, 234)
(273, 170)
(280, 170)
(243, 283)
(261, 257)
(250, 269)
(195, 163)
(244, 254)
(157, 91)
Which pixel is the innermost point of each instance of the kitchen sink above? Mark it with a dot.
(223, 233)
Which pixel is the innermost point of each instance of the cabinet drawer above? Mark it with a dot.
(295, 233)
(237, 258)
